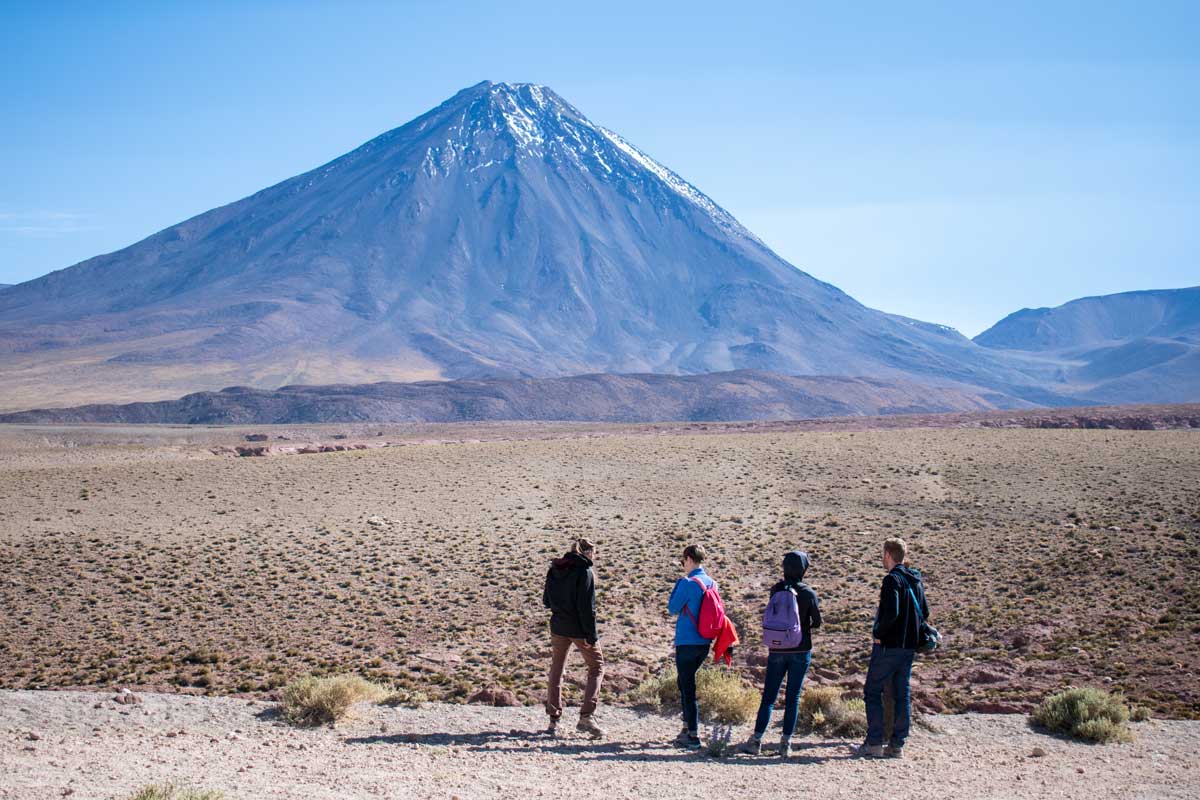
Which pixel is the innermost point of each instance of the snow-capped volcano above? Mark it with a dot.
(499, 234)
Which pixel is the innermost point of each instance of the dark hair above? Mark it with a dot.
(896, 549)
(581, 546)
(695, 552)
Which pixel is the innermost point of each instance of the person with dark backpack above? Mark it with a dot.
(701, 618)
(793, 612)
(570, 594)
(900, 631)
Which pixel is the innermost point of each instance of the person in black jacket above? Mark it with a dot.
(902, 607)
(789, 662)
(570, 594)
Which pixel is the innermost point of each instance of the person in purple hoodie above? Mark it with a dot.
(790, 654)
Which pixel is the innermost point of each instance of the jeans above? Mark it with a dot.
(793, 666)
(888, 665)
(559, 647)
(688, 659)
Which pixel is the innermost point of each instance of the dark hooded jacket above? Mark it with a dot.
(898, 621)
(570, 594)
(795, 564)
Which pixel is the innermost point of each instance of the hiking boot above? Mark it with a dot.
(688, 739)
(892, 751)
(865, 750)
(588, 725)
(785, 748)
(552, 728)
(751, 747)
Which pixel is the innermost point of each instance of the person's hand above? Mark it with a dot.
(592, 641)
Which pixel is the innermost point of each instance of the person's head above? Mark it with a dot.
(693, 556)
(894, 551)
(584, 547)
(795, 564)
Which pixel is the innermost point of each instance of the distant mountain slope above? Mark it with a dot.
(1109, 319)
(741, 395)
(5, 285)
(1115, 347)
(502, 234)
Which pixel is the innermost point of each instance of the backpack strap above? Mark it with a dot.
(687, 609)
(916, 603)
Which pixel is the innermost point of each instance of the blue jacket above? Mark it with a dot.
(688, 592)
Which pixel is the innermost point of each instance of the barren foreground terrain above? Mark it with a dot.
(87, 747)
(140, 557)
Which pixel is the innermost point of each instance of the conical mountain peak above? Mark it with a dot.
(500, 233)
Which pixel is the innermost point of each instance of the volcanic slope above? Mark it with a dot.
(501, 234)
(1114, 346)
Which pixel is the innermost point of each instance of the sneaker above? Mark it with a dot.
(785, 748)
(588, 725)
(865, 750)
(891, 751)
(751, 747)
(684, 736)
(552, 728)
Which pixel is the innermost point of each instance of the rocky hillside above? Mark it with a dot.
(742, 395)
(1112, 348)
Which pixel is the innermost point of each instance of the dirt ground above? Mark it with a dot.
(139, 557)
(87, 747)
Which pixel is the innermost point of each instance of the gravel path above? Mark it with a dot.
(87, 745)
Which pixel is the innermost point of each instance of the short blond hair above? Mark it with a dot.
(896, 548)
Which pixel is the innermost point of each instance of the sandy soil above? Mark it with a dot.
(138, 557)
(85, 745)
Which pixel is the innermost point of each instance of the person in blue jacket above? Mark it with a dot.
(690, 647)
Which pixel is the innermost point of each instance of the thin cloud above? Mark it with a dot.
(46, 223)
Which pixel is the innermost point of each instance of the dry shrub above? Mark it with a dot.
(1092, 715)
(324, 701)
(169, 791)
(722, 696)
(824, 711)
(407, 698)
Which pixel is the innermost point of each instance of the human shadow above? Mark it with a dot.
(515, 741)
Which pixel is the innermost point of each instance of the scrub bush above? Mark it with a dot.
(1092, 715)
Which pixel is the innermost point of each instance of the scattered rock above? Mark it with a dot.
(1037, 752)
(493, 696)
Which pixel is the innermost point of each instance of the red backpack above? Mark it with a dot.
(712, 611)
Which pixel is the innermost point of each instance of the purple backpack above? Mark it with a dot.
(781, 622)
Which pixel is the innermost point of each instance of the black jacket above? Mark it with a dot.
(810, 613)
(570, 594)
(897, 622)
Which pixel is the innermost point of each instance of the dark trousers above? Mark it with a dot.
(793, 666)
(889, 665)
(688, 658)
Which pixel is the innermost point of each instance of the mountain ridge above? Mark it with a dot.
(740, 395)
(1107, 348)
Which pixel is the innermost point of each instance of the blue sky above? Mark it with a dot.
(932, 160)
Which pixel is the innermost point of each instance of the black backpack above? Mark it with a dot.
(928, 638)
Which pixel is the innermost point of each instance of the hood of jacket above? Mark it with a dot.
(913, 576)
(795, 564)
(571, 560)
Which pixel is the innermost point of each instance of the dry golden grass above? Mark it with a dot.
(325, 701)
(722, 694)
(169, 791)
(825, 710)
(1093, 715)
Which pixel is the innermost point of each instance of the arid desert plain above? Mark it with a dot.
(156, 559)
